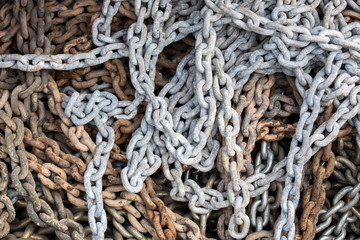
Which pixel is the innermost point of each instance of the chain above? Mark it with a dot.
(95, 109)
(261, 203)
(7, 209)
(344, 209)
(142, 72)
(39, 210)
(314, 197)
(25, 102)
(337, 219)
(236, 45)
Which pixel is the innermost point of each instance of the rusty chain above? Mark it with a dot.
(210, 92)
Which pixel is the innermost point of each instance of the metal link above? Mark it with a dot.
(212, 111)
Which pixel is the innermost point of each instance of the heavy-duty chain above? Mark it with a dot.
(209, 79)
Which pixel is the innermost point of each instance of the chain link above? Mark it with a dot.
(95, 108)
(236, 44)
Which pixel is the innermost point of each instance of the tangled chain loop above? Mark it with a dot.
(98, 108)
(234, 39)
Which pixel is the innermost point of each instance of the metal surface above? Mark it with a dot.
(172, 119)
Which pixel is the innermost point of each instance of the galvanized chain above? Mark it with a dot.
(147, 89)
(101, 28)
(343, 202)
(263, 163)
(142, 71)
(95, 108)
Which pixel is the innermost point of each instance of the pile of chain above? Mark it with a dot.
(182, 119)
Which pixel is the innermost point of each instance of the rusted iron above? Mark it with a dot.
(44, 156)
